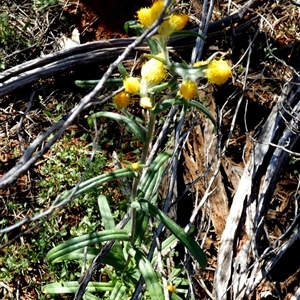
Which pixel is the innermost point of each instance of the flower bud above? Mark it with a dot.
(146, 102)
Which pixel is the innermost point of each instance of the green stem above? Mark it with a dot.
(145, 149)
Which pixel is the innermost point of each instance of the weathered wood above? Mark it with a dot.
(236, 276)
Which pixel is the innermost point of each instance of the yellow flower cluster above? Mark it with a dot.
(218, 71)
(148, 15)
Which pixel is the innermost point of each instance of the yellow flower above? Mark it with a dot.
(146, 102)
(171, 288)
(174, 22)
(148, 15)
(131, 85)
(122, 99)
(188, 89)
(135, 166)
(218, 71)
(153, 71)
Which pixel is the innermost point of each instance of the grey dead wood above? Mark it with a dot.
(241, 266)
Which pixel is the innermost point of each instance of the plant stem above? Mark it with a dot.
(145, 149)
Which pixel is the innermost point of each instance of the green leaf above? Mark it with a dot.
(77, 243)
(109, 224)
(167, 103)
(135, 128)
(187, 33)
(174, 296)
(88, 296)
(153, 286)
(186, 240)
(107, 217)
(95, 182)
(163, 105)
(165, 246)
(202, 108)
(114, 258)
(72, 286)
(148, 180)
(123, 71)
(118, 292)
(88, 84)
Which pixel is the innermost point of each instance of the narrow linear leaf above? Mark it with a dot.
(88, 296)
(114, 258)
(123, 71)
(107, 217)
(72, 286)
(202, 108)
(95, 182)
(165, 247)
(152, 171)
(136, 129)
(87, 84)
(186, 240)
(77, 243)
(174, 296)
(153, 286)
(118, 292)
(187, 33)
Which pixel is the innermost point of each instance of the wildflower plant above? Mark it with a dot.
(131, 257)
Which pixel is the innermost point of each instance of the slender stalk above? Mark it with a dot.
(145, 149)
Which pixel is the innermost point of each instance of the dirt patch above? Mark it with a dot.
(101, 20)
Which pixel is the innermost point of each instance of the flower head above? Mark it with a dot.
(148, 15)
(171, 288)
(135, 166)
(146, 102)
(153, 71)
(218, 71)
(188, 89)
(131, 85)
(173, 23)
(122, 99)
